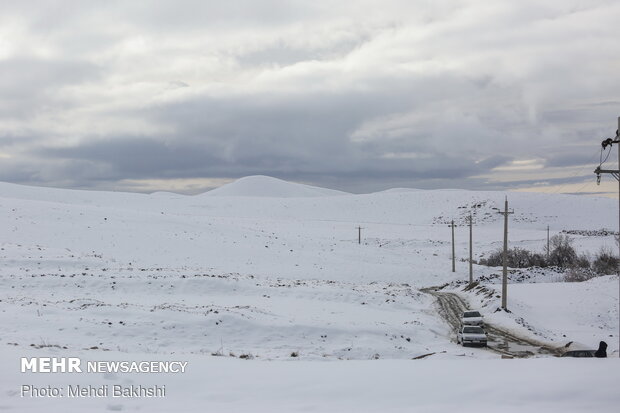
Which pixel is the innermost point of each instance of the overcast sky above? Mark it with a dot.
(353, 95)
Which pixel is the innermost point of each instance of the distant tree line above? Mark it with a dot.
(562, 254)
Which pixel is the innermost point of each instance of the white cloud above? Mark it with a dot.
(365, 82)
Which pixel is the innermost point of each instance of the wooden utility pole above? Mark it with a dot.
(453, 257)
(547, 243)
(505, 256)
(471, 253)
(616, 174)
(359, 234)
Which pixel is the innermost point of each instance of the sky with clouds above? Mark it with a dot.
(359, 96)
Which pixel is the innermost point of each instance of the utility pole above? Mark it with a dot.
(453, 258)
(505, 256)
(471, 253)
(359, 235)
(547, 243)
(616, 174)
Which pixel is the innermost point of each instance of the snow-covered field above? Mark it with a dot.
(581, 313)
(272, 272)
(216, 384)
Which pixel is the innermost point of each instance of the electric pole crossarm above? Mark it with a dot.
(606, 171)
(614, 172)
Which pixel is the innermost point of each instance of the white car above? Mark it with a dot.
(471, 335)
(472, 318)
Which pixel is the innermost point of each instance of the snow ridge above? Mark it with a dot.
(265, 186)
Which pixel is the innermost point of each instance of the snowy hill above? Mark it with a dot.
(287, 258)
(269, 270)
(265, 186)
(282, 232)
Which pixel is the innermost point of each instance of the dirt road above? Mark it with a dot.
(451, 306)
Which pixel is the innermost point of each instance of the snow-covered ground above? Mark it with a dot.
(582, 313)
(217, 384)
(272, 271)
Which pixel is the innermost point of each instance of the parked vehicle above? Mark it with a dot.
(472, 318)
(471, 335)
(579, 353)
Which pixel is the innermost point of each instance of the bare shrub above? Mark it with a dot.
(576, 274)
(583, 261)
(605, 262)
(516, 258)
(562, 252)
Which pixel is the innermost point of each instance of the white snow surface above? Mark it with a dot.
(267, 269)
(217, 384)
(265, 186)
(581, 313)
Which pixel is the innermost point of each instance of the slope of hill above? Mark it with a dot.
(265, 186)
(261, 274)
(292, 237)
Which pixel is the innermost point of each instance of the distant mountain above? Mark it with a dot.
(265, 186)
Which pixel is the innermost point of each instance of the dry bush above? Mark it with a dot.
(576, 274)
(605, 262)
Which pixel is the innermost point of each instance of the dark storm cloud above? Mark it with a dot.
(145, 158)
(359, 97)
(291, 137)
(533, 183)
(577, 159)
(136, 157)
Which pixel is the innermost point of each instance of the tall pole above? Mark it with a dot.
(616, 174)
(505, 258)
(471, 253)
(505, 255)
(453, 255)
(359, 235)
(547, 243)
